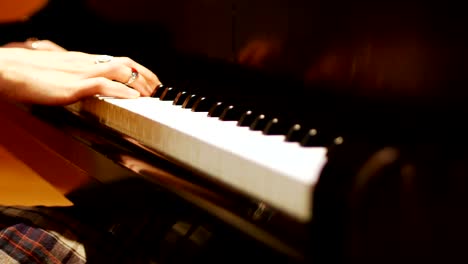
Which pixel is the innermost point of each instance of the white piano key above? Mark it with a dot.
(282, 174)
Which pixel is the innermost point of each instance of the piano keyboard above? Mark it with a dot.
(280, 173)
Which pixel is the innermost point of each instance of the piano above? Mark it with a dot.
(285, 131)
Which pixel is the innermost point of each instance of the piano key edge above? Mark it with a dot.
(293, 197)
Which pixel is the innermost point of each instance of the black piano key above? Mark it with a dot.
(338, 141)
(259, 122)
(336, 144)
(169, 94)
(312, 139)
(275, 127)
(180, 98)
(203, 104)
(295, 133)
(217, 109)
(190, 101)
(231, 113)
(246, 118)
(158, 91)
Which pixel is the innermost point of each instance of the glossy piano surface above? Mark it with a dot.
(87, 161)
(265, 167)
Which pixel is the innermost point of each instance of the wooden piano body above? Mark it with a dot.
(395, 191)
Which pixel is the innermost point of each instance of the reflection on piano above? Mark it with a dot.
(306, 131)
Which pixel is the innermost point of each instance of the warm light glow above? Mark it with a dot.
(18, 10)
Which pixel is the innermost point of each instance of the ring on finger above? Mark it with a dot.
(133, 76)
(103, 59)
(34, 43)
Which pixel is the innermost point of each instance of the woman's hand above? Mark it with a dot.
(36, 44)
(53, 76)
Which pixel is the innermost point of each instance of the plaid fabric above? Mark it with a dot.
(54, 235)
(25, 244)
(127, 222)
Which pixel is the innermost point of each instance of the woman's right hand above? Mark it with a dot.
(59, 77)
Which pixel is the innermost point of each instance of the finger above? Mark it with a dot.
(47, 45)
(151, 79)
(15, 45)
(120, 73)
(105, 87)
(36, 44)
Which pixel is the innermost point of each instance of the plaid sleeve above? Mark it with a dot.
(48, 235)
(21, 243)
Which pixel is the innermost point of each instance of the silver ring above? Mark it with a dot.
(103, 59)
(34, 43)
(133, 76)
